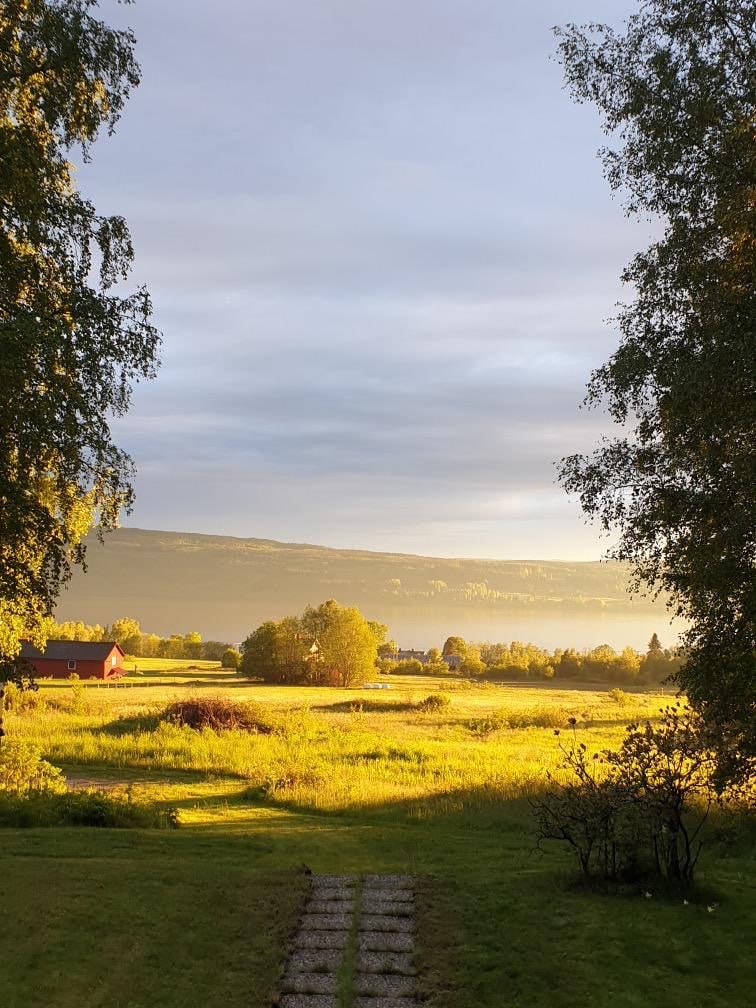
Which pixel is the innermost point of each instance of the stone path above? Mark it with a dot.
(355, 945)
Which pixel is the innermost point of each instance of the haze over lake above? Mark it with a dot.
(413, 629)
(224, 587)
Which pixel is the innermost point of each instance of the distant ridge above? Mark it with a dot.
(224, 586)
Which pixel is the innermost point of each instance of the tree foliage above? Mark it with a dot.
(71, 341)
(600, 664)
(454, 646)
(332, 645)
(230, 658)
(678, 88)
(137, 643)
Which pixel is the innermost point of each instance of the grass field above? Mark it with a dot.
(350, 780)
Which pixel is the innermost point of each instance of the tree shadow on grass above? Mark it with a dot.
(204, 677)
(461, 808)
(131, 725)
(362, 706)
(622, 720)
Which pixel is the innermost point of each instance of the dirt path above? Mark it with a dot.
(82, 782)
(355, 945)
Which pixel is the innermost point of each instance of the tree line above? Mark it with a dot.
(138, 644)
(517, 660)
(334, 645)
(600, 664)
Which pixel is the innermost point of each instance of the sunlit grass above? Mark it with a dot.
(169, 665)
(335, 749)
(349, 781)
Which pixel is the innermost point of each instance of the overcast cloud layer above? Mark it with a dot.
(381, 252)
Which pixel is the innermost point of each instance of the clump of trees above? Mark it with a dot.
(516, 660)
(600, 664)
(331, 645)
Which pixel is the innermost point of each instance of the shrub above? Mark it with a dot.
(78, 702)
(10, 694)
(95, 808)
(23, 771)
(289, 773)
(546, 716)
(219, 713)
(489, 723)
(409, 666)
(22, 701)
(434, 703)
(83, 808)
(533, 717)
(620, 697)
(641, 811)
(230, 659)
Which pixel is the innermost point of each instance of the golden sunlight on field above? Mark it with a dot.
(321, 748)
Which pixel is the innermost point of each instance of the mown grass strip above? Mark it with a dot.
(349, 962)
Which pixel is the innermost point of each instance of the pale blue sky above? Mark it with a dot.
(381, 251)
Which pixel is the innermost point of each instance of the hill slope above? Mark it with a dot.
(224, 586)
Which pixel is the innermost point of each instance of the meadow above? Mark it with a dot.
(343, 781)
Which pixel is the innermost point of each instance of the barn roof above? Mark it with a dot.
(70, 650)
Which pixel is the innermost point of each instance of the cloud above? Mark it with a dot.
(381, 252)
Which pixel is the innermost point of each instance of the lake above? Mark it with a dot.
(425, 629)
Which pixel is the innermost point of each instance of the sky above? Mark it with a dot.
(382, 255)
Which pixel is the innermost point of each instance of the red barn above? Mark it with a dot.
(86, 659)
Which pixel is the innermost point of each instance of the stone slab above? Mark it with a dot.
(310, 983)
(335, 881)
(321, 939)
(326, 922)
(318, 960)
(385, 922)
(346, 894)
(372, 905)
(319, 906)
(386, 962)
(388, 1002)
(391, 895)
(309, 1001)
(385, 941)
(388, 882)
(385, 986)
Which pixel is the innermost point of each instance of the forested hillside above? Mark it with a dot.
(224, 586)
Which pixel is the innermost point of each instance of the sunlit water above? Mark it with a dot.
(581, 631)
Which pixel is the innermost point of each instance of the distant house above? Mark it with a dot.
(453, 661)
(408, 655)
(86, 659)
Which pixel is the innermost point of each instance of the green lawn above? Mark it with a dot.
(200, 915)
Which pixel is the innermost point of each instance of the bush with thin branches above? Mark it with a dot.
(638, 811)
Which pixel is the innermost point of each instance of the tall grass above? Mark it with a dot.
(469, 751)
